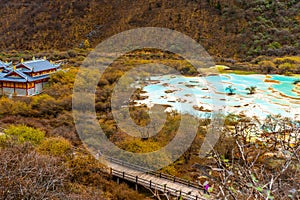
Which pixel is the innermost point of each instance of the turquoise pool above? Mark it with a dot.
(200, 96)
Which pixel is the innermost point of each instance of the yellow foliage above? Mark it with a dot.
(267, 63)
(56, 146)
(290, 59)
(170, 170)
(136, 145)
(10, 107)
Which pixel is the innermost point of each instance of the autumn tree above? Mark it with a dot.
(261, 163)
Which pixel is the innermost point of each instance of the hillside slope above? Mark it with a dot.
(226, 28)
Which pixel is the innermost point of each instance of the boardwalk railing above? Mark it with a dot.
(148, 183)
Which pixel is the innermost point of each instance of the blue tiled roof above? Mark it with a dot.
(20, 73)
(39, 65)
(23, 77)
(33, 66)
(6, 71)
(36, 78)
(4, 65)
(14, 79)
(2, 74)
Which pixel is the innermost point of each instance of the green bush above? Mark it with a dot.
(274, 45)
(25, 134)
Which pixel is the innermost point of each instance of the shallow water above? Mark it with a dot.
(187, 93)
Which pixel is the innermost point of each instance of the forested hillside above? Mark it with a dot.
(226, 28)
(39, 143)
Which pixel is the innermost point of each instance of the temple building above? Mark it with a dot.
(27, 78)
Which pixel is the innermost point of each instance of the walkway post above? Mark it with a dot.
(136, 183)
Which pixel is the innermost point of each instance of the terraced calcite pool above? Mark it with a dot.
(275, 94)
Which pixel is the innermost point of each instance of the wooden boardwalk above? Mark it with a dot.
(156, 181)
